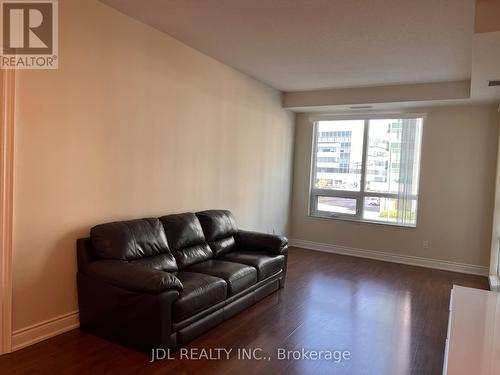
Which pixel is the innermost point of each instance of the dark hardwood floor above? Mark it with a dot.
(392, 319)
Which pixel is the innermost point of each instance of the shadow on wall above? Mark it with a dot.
(59, 263)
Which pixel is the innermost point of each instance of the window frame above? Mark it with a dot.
(360, 195)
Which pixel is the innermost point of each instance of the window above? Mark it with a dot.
(367, 169)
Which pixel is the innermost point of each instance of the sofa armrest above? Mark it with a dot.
(261, 241)
(133, 277)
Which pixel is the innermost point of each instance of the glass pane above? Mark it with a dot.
(337, 205)
(390, 211)
(339, 155)
(393, 155)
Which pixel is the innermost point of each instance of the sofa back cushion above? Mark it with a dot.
(186, 239)
(219, 227)
(162, 262)
(129, 240)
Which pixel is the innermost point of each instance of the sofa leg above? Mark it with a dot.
(282, 282)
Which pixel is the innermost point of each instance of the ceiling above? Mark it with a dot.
(295, 45)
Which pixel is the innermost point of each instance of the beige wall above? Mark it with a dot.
(459, 151)
(134, 124)
(487, 17)
(395, 94)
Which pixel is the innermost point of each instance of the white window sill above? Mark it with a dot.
(494, 283)
(327, 216)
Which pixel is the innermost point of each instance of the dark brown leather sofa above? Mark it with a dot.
(160, 282)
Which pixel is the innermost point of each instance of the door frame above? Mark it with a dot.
(7, 94)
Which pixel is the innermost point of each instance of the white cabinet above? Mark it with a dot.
(473, 341)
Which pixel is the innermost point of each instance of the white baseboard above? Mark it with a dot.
(44, 330)
(391, 257)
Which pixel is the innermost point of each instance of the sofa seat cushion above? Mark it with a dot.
(238, 276)
(267, 264)
(200, 292)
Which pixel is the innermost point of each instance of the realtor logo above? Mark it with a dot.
(29, 34)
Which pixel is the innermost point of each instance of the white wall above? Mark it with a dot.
(495, 235)
(134, 124)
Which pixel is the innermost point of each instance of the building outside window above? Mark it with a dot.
(367, 169)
